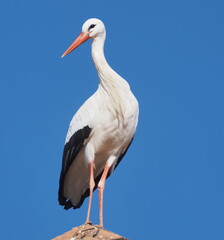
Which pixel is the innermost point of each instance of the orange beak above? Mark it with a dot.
(78, 41)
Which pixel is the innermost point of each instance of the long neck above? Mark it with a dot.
(107, 76)
(111, 85)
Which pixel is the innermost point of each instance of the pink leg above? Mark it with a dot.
(101, 185)
(91, 187)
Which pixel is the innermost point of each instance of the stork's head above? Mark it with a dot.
(92, 28)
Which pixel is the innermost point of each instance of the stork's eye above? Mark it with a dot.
(91, 26)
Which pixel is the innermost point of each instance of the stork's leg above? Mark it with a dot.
(101, 185)
(91, 187)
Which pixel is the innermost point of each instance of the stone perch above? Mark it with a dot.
(89, 232)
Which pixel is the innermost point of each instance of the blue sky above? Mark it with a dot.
(170, 184)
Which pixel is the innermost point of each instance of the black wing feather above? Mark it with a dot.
(71, 149)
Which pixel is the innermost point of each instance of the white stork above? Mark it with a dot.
(100, 132)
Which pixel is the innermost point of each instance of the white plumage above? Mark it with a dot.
(101, 130)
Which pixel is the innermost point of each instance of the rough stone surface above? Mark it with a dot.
(89, 232)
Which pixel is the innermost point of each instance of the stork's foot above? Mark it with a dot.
(99, 226)
(88, 222)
